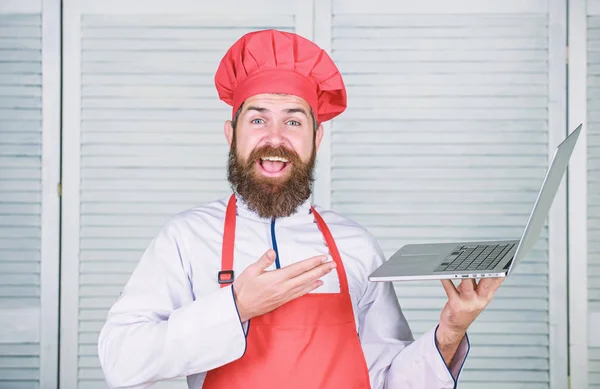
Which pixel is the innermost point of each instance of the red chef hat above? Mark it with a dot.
(271, 61)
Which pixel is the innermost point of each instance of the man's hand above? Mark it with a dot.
(464, 304)
(258, 291)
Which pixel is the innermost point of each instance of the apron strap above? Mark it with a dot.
(226, 276)
(333, 250)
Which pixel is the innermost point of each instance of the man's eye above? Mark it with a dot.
(293, 123)
(257, 121)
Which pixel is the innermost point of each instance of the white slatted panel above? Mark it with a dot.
(20, 199)
(152, 144)
(445, 138)
(593, 114)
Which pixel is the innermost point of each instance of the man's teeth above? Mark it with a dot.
(275, 159)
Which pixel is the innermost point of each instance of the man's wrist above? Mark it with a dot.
(241, 312)
(449, 336)
(448, 340)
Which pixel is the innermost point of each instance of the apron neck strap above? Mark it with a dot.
(333, 250)
(228, 243)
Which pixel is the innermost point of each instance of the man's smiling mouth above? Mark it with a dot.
(273, 165)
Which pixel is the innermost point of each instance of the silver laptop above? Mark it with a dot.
(435, 261)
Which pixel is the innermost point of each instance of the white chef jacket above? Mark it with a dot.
(173, 319)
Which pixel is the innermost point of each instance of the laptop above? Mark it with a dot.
(474, 259)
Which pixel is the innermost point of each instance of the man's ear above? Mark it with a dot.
(228, 132)
(318, 136)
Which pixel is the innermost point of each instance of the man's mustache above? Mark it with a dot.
(270, 151)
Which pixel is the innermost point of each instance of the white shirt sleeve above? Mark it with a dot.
(395, 360)
(158, 330)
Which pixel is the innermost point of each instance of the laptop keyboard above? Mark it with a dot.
(474, 257)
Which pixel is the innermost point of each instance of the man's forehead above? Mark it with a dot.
(276, 103)
(270, 109)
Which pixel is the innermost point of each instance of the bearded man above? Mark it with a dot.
(262, 289)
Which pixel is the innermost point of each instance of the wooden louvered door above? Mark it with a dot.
(592, 183)
(29, 201)
(143, 139)
(584, 194)
(593, 190)
(454, 109)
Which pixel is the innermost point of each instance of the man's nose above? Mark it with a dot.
(275, 137)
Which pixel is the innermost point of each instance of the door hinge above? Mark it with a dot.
(59, 189)
(567, 54)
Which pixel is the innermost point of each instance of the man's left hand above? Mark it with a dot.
(464, 304)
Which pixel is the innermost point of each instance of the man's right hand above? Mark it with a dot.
(258, 291)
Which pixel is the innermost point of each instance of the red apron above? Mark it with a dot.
(309, 343)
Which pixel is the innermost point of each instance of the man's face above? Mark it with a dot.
(272, 153)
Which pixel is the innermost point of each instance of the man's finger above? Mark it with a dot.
(264, 262)
(309, 276)
(295, 269)
(299, 292)
(488, 286)
(450, 289)
(467, 287)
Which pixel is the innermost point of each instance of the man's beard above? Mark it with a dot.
(271, 197)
